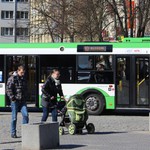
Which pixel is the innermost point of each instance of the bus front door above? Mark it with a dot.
(30, 63)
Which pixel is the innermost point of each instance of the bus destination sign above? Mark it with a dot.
(94, 48)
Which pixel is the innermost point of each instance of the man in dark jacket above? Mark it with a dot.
(17, 92)
(50, 89)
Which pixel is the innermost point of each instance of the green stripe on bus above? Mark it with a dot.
(2, 100)
(93, 88)
(40, 101)
(72, 45)
(110, 100)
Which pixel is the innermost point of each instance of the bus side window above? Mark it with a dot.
(1, 69)
(1, 76)
(85, 62)
(99, 77)
(96, 77)
(103, 62)
(100, 63)
(95, 69)
(66, 74)
(92, 78)
(65, 64)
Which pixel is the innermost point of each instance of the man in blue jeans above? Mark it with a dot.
(17, 92)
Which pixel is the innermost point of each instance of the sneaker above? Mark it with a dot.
(13, 136)
(60, 112)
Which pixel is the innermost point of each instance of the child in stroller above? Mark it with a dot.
(74, 116)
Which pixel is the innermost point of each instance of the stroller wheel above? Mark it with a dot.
(72, 129)
(90, 128)
(61, 130)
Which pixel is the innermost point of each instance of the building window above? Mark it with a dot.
(22, 32)
(22, 1)
(6, 31)
(22, 15)
(7, 0)
(7, 14)
(26, 15)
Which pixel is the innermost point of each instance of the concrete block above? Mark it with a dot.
(39, 136)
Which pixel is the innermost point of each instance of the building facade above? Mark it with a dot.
(14, 21)
(40, 25)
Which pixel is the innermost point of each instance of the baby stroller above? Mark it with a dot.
(74, 117)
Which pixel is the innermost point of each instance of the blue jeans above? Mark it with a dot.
(15, 107)
(46, 111)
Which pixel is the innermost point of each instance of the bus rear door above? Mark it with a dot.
(132, 81)
(142, 81)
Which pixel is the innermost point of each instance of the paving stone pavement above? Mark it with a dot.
(112, 133)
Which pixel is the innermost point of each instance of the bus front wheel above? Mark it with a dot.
(94, 104)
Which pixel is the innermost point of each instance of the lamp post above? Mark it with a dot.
(15, 21)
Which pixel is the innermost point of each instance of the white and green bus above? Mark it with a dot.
(108, 75)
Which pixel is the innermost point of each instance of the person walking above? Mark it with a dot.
(50, 89)
(16, 90)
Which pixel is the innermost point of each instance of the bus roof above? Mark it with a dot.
(127, 43)
(136, 40)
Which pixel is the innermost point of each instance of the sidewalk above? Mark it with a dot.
(112, 133)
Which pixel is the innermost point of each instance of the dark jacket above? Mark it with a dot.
(16, 88)
(50, 89)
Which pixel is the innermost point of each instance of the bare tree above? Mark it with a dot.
(128, 13)
(41, 22)
(85, 19)
(95, 19)
(55, 18)
(119, 9)
(143, 15)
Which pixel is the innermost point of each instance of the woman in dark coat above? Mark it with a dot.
(50, 89)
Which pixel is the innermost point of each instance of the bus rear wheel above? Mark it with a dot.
(94, 104)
